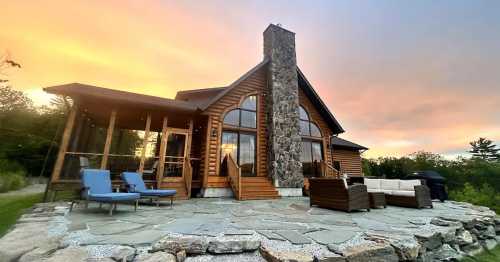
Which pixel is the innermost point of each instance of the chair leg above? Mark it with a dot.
(111, 209)
(171, 202)
(136, 204)
(71, 206)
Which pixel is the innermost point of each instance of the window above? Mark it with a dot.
(241, 147)
(241, 144)
(244, 116)
(311, 158)
(307, 128)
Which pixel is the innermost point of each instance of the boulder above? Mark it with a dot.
(444, 253)
(232, 246)
(373, 252)
(69, 254)
(429, 239)
(181, 256)
(489, 233)
(329, 258)
(41, 252)
(285, 256)
(192, 245)
(123, 253)
(155, 257)
(445, 223)
(472, 249)
(464, 237)
(406, 247)
(489, 244)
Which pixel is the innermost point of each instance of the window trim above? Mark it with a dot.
(240, 109)
(310, 121)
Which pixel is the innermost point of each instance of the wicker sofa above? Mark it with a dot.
(405, 193)
(336, 194)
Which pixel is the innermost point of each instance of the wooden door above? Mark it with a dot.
(176, 150)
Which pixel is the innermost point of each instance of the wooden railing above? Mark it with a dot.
(234, 174)
(188, 176)
(328, 170)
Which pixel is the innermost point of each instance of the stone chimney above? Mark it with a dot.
(284, 167)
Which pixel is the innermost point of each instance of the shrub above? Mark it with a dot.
(12, 176)
(484, 196)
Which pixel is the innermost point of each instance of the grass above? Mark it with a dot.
(486, 256)
(12, 208)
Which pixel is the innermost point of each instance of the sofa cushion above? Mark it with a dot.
(372, 183)
(389, 184)
(403, 193)
(387, 192)
(373, 190)
(408, 185)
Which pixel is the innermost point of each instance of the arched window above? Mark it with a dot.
(312, 149)
(307, 128)
(238, 139)
(244, 116)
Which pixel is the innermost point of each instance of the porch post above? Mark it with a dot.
(163, 147)
(189, 138)
(64, 143)
(207, 150)
(109, 136)
(145, 144)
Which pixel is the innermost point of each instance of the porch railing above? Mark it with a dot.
(188, 176)
(234, 174)
(328, 170)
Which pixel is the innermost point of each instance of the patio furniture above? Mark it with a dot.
(377, 199)
(135, 184)
(434, 181)
(96, 186)
(405, 193)
(336, 194)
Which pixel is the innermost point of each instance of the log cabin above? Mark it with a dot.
(261, 137)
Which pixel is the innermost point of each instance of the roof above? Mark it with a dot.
(320, 106)
(339, 142)
(77, 90)
(225, 90)
(199, 97)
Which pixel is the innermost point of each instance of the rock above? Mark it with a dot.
(472, 249)
(123, 252)
(417, 221)
(69, 254)
(181, 256)
(445, 253)
(285, 256)
(371, 253)
(293, 236)
(40, 253)
(270, 235)
(24, 238)
(464, 237)
(489, 233)
(445, 223)
(489, 244)
(407, 248)
(429, 239)
(232, 246)
(155, 257)
(329, 258)
(497, 229)
(192, 245)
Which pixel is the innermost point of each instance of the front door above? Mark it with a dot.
(175, 153)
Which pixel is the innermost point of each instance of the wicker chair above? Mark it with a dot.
(335, 194)
(421, 199)
(405, 193)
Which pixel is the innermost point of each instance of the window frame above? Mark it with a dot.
(309, 124)
(240, 110)
(238, 148)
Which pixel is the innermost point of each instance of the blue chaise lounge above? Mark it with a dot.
(96, 186)
(135, 184)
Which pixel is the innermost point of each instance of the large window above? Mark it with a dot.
(312, 151)
(244, 116)
(238, 138)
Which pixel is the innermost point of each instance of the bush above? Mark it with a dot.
(12, 181)
(484, 196)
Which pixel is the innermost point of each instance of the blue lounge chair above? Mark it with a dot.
(96, 186)
(135, 184)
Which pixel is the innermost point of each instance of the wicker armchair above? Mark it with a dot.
(335, 194)
(421, 199)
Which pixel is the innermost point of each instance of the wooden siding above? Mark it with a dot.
(350, 161)
(316, 118)
(255, 84)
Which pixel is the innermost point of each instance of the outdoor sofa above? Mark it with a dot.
(135, 184)
(405, 193)
(336, 194)
(96, 187)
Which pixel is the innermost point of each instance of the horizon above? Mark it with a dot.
(400, 78)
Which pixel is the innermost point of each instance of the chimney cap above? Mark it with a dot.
(279, 27)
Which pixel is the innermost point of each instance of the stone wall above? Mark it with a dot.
(284, 163)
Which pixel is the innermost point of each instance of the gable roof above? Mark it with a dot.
(199, 97)
(90, 91)
(318, 103)
(339, 142)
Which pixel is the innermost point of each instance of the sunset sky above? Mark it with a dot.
(400, 76)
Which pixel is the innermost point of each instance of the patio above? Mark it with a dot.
(228, 230)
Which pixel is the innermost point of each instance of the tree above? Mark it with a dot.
(485, 149)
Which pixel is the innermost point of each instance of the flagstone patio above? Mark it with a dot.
(225, 230)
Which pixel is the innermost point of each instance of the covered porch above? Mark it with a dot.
(121, 131)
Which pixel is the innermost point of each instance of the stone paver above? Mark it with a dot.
(293, 236)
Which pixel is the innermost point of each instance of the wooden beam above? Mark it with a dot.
(207, 151)
(145, 144)
(189, 139)
(109, 137)
(163, 148)
(56, 172)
